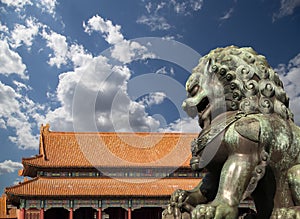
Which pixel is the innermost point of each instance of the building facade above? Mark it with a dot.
(103, 175)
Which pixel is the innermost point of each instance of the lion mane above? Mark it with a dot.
(250, 84)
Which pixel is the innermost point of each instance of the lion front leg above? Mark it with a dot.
(182, 202)
(235, 177)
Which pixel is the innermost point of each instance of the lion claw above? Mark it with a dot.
(285, 213)
(203, 211)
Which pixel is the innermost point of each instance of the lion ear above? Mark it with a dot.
(248, 128)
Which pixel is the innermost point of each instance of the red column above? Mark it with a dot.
(22, 213)
(129, 213)
(71, 213)
(42, 213)
(99, 213)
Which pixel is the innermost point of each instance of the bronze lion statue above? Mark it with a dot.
(249, 146)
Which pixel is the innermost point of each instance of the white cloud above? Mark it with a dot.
(185, 125)
(197, 5)
(227, 15)
(172, 72)
(154, 98)
(164, 71)
(24, 34)
(287, 7)
(16, 111)
(101, 97)
(78, 55)
(186, 7)
(110, 32)
(3, 28)
(9, 103)
(290, 75)
(18, 4)
(160, 6)
(20, 86)
(148, 7)
(156, 19)
(126, 51)
(155, 22)
(9, 166)
(123, 50)
(11, 62)
(47, 6)
(179, 8)
(58, 43)
(102, 93)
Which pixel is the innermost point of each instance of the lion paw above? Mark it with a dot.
(285, 213)
(214, 212)
(178, 197)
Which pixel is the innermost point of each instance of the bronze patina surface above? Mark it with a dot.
(249, 145)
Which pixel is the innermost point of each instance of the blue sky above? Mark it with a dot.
(102, 65)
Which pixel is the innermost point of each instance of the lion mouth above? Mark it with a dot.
(204, 112)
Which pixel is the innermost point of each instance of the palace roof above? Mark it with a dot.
(88, 150)
(59, 187)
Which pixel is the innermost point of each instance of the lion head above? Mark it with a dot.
(234, 79)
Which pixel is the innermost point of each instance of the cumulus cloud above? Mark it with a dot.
(287, 7)
(58, 43)
(16, 112)
(290, 75)
(47, 6)
(18, 4)
(110, 31)
(122, 50)
(24, 34)
(95, 91)
(95, 88)
(185, 125)
(126, 51)
(11, 62)
(101, 94)
(9, 166)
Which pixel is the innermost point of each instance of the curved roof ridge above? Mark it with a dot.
(22, 183)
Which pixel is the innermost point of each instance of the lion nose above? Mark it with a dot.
(190, 110)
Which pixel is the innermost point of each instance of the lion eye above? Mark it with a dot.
(194, 90)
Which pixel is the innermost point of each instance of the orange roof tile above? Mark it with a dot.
(69, 149)
(43, 186)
